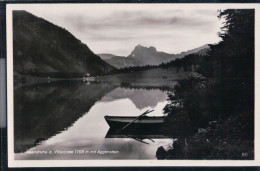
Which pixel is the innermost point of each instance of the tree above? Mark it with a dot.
(229, 71)
(231, 61)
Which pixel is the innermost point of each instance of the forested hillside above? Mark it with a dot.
(43, 49)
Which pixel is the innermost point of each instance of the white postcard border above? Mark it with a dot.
(142, 163)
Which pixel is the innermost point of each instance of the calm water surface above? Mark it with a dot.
(69, 118)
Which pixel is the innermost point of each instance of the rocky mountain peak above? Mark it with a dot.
(141, 50)
(140, 47)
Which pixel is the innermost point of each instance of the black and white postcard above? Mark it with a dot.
(133, 85)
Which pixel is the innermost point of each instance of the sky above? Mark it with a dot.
(117, 29)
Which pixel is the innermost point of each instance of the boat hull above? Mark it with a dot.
(116, 122)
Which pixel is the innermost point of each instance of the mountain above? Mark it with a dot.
(142, 56)
(149, 55)
(43, 49)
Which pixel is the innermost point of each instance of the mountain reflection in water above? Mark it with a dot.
(139, 97)
(70, 116)
(43, 110)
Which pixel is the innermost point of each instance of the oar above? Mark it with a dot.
(151, 140)
(137, 139)
(146, 112)
(140, 140)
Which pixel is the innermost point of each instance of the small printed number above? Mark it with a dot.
(244, 154)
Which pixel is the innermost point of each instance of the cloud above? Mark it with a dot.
(118, 30)
(138, 19)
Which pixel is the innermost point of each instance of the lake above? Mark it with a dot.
(65, 120)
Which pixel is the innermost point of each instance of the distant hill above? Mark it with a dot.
(43, 49)
(142, 56)
(118, 61)
(199, 50)
(122, 62)
(107, 56)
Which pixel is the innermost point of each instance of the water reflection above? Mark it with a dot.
(137, 134)
(43, 111)
(140, 98)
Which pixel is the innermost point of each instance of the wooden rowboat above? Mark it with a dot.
(121, 122)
